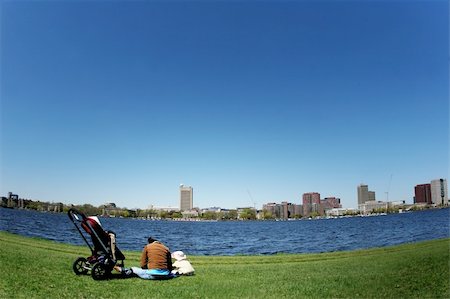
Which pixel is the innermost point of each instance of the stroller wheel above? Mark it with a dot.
(99, 271)
(80, 266)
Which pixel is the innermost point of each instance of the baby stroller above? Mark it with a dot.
(104, 252)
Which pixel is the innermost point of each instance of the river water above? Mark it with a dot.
(243, 237)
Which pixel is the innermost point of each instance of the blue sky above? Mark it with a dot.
(248, 102)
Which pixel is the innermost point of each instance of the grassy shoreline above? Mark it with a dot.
(37, 268)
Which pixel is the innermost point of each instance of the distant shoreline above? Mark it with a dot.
(426, 208)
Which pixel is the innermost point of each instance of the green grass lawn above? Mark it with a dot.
(36, 268)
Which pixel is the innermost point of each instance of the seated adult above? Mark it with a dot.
(156, 262)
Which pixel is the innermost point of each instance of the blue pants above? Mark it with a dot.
(152, 273)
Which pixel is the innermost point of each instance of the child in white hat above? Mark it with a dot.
(181, 266)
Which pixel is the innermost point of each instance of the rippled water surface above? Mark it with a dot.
(249, 237)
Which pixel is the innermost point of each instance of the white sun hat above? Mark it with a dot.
(179, 255)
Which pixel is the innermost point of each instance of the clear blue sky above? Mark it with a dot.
(248, 102)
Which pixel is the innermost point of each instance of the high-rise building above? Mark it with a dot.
(439, 192)
(371, 195)
(363, 193)
(186, 198)
(311, 203)
(422, 193)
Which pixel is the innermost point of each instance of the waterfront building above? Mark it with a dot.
(311, 203)
(398, 203)
(285, 210)
(371, 206)
(439, 192)
(55, 207)
(211, 209)
(339, 212)
(273, 209)
(189, 214)
(422, 193)
(289, 210)
(186, 198)
(363, 193)
(298, 210)
(13, 200)
(330, 203)
(165, 209)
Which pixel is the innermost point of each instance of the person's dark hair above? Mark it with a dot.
(151, 240)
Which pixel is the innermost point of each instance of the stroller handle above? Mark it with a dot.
(76, 215)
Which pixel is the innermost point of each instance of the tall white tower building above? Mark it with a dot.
(186, 198)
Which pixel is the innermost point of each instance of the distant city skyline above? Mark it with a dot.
(435, 192)
(247, 102)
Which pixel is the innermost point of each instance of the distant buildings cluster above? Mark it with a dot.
(14, 201)
(312, 205)
(434, 192)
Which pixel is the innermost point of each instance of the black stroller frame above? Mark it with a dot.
(104, 252)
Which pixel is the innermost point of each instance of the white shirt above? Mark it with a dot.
(183, 267)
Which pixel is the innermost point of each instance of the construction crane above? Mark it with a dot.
(388, 189)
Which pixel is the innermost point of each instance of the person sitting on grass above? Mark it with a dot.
(156, 262)
(181, 266)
